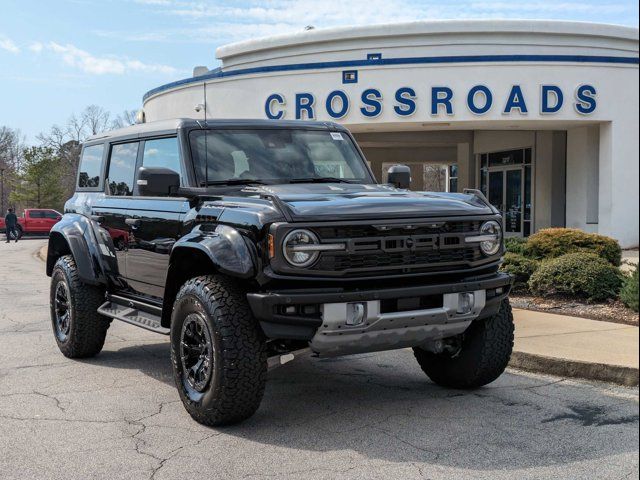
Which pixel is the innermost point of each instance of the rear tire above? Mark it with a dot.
(218, 351)
(486, 349)
(78, 328)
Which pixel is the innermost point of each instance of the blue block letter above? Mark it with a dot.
(515, 100)
(586, 99)
(441, 96)
(471, 97)
(546, 107)
(344, 102)
(406, 98)
(268, 106)
(304, 102)
(371, 98)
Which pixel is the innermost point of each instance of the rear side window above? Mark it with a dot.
(122, 166)
(90, 166)
(36, 214)
(163, 152)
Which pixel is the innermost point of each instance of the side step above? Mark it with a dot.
(134, 316)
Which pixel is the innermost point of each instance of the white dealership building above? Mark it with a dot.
(541, 116)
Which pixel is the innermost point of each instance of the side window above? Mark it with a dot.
(122, 166)
(36, 214)
(163, 152)
(90, 166)
(51, 214)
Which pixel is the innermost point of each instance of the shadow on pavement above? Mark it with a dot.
(383, 407)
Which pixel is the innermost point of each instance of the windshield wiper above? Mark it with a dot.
(319, 180)
(237, 181)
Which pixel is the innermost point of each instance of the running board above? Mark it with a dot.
(133, 316)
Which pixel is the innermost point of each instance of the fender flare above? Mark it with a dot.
(74, 235)
(226, 248)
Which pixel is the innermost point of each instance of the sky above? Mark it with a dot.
(58, 56)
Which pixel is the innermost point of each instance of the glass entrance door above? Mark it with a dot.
(513, 202)
(505, 178)
(506, 189)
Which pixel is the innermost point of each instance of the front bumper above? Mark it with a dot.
(412, 327)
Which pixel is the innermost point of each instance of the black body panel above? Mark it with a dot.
(397, 242)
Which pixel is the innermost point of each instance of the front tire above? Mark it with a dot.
(78, 328)
(218, 351)
(484, 354)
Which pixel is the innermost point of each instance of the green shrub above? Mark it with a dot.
(515, 245)
(555, 242)
(629, 292)
(580, 274)
(520, 267)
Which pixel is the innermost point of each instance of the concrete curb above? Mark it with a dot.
(562, 367)
(41, 253)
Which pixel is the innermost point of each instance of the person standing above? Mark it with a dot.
(10, 223)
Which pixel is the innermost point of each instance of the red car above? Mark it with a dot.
(35, 220)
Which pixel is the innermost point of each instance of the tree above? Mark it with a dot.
(11, 146)
(38, 181)
(125, 119)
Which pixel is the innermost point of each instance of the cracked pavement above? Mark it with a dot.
(370, 416)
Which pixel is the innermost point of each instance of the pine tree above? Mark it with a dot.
(38, 184)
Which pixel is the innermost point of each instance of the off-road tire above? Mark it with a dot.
(238, 375)
(486, 348)
(87, 328)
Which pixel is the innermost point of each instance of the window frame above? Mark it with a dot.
(184, 174)
(100, 186)
(358, 151)
(106, 189)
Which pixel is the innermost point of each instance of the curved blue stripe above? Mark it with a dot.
(218, 73)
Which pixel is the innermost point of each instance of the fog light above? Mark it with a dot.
(465, 303)
(355, 313)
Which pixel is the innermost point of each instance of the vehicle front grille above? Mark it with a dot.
(398, 248)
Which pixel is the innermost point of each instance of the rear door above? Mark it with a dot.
(154, 222)
(34, 221)
(112, 209)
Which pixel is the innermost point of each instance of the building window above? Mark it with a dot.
(453, 178)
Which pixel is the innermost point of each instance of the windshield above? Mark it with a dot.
(275, 156)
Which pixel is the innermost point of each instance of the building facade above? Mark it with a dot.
(541, 116)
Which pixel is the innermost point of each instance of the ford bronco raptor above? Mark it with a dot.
(245, 241)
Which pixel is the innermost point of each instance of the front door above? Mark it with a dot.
(506, 188)
(155, 224)
(505, 179)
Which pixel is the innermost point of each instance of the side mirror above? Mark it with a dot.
(157, 182)
(399, 176)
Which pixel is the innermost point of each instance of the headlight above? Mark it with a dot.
(298, 248)
(492, 237)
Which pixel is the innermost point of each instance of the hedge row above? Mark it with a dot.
(555, 242)
(565, 261)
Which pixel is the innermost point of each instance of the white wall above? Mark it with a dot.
(582, 178)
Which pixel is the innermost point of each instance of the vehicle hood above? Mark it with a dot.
(328, 201)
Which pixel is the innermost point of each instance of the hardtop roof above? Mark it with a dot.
(161, 127)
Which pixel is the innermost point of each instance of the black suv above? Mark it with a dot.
(246, 241)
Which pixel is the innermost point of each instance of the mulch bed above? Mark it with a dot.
(612, 311)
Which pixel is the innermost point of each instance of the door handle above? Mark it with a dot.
(97, 218)
(133, 222)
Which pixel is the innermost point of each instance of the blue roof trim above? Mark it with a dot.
(218, 73)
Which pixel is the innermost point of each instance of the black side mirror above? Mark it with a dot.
(157, 182)
(400, 176)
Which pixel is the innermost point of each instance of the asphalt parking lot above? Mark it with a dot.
(370, 416)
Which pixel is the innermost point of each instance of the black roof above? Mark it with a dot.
(173, 125)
